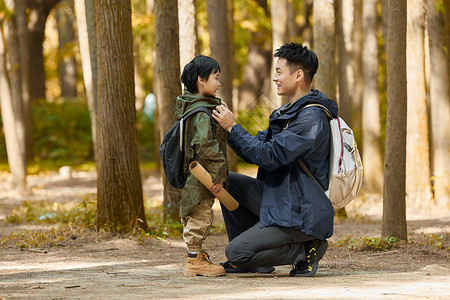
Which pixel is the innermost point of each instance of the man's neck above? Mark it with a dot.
(300, 92)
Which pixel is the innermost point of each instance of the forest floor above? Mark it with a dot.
(102, 266)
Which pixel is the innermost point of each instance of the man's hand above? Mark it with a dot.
(224, 117)
(216, 188)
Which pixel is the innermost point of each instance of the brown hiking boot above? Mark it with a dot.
(200, 265)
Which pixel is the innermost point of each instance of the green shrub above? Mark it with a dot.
(62, 130)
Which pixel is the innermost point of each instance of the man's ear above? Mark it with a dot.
(200, 80)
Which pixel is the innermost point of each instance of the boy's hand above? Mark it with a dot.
(216, 188)
(224, 117)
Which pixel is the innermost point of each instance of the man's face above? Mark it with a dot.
(284, 80)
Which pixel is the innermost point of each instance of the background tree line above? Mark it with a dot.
(385, 62)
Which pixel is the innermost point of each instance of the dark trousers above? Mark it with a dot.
(250, 244)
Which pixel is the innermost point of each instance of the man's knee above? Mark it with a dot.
(237, 253)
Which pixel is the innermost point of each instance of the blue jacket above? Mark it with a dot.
(291, 198)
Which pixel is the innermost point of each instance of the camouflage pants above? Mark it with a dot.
(196, 225)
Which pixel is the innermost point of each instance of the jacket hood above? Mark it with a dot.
(188, 101)
(314, 97)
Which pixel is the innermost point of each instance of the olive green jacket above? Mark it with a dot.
(206, 141)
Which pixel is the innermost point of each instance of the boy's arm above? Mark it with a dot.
(206, 146)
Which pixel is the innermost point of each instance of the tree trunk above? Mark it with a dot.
(167, 87)
(373, 163)
(324, 46)
(22, 30)
(13, 148)
(357, 67)
(188, 32)
(15, 78)
(66, 37)
(120, 198)
(255, 72)
(220, 23)
(280, 36)
(39, 11)
(439, 105)
(394, 207)
(138, 78)
(345, 47)
(85, 13)
(418, 185)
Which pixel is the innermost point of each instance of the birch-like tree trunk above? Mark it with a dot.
(418, 176)
(280, 36)
(439, 105)
(188, 32)
(13, 148)
(87, 37)
(167, 87)
(120, 204)
(394, 206)
(373, 162)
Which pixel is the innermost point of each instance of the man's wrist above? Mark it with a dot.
(231, 127)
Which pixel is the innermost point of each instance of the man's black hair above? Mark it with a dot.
(299, 57)
(201, 66)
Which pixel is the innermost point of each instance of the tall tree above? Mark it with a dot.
(324, 46)
(167, 87)
(357, 66)
(87, 37)
(66, 37)
(439, 104)
(324, 30)
(346, 79)
(394, 206)
(280, 36)
(13, 147)
(39, 11)
(25, 74)
(188, 32)
(418, 176)
(120, 204)
(373, 162)
(220, 22)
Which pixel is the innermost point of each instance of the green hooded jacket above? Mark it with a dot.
(206, 141)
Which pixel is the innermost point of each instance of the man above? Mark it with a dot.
(284, 217)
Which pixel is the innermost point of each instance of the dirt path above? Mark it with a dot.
(107, 267)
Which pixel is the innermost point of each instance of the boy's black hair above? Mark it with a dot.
(299, 57)
(201, 66)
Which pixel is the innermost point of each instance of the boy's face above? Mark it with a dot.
(285, 81)
(209, 87)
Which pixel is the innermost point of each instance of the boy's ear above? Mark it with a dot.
(200, 80)
(300, 74)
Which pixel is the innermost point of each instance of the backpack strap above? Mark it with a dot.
(186, 116)
(300, 162)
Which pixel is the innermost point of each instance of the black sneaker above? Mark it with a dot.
(230, 268)
(315, 250)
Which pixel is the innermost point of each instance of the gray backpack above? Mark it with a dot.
(346, 170)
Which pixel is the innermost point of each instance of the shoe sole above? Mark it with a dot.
(194, 274)
(259, 270)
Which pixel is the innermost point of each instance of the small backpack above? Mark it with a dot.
(172, 150)
(346, 170)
